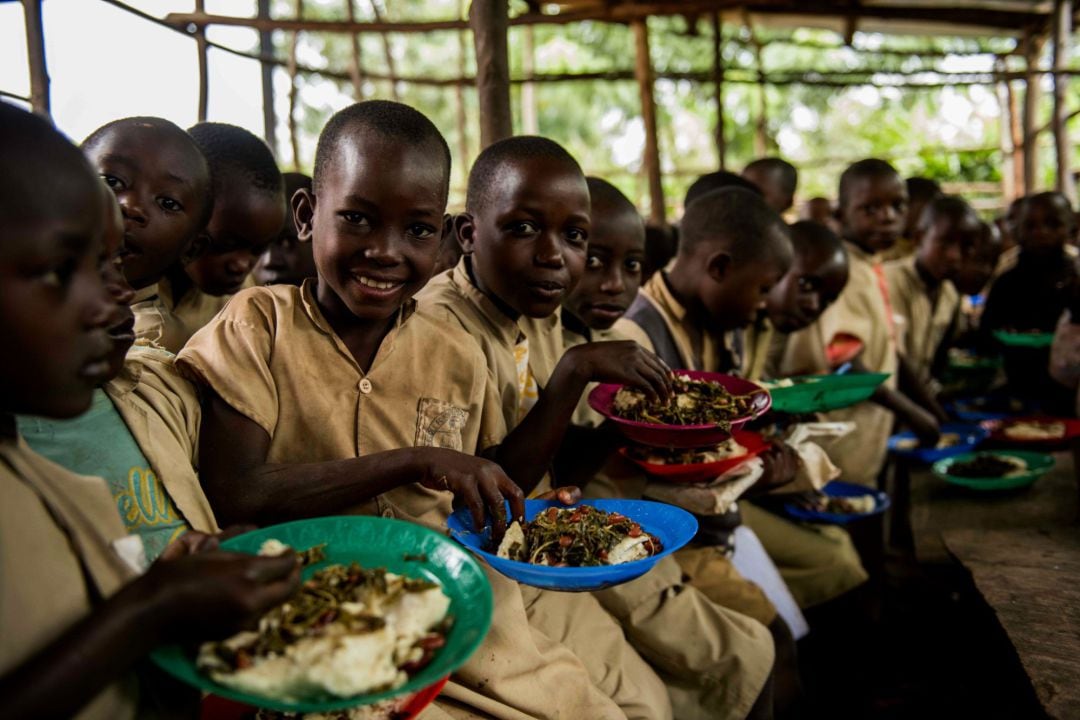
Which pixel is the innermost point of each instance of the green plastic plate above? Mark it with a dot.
(1028, 340)
(1038, 465)
(401, 547)
(819, 393)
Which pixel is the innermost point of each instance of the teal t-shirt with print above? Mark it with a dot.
(99, 443)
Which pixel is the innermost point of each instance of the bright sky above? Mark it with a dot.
(105, 64)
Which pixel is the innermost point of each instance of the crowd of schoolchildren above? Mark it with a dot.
(196, 342)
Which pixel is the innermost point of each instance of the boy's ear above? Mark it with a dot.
(464, 229)
(303, 212)
(718, 265)
(195, 249)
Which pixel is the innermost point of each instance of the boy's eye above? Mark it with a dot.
(523, 228)
(354, 218)
(421, 232)
(593, 263)
(633, 266)
(112, 181)
(576, 236)
(60, 275)
(167, 203)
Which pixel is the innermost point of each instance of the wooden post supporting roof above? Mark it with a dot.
(1063, 14)
(1005, 138)
(355, 71)
(294, 143)
(644, 72)
(489, 20)
(459, 101)
(1032, 92)
(718, 89)
(204, 69)
(388, 51)
(1016, 133)
(35, 51)
(530, 122)
(266, 48)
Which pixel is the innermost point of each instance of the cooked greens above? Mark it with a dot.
(576, 537)
(696, 402)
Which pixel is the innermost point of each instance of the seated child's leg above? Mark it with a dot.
(578, 621)
(714, 661)
(817, 562)
(708, 569)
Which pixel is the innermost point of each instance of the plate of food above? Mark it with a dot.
(386, 609)
(989, 406)
(964, 359)
(1025, 339)
(821, 393)
(838, 503)
(994, 469)
(695, 465)
(956, 439)
(588, 546)
(706, 409)
(1035, 431)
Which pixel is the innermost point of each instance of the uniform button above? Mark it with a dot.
(365, 386)
(387, 513)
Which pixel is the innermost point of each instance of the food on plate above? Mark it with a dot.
(385, 710)
(947, 440)
(696, 402)
(1034, 430)
(727, 450)
(347, 631)
(856, 505)
(988, 466)
(577, 537)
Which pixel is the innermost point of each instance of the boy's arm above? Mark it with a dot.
(914, 388)
(243, 487)
(921, 422)
(202, 596)
(528, 450)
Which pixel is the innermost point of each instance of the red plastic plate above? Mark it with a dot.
(997, 430)
(754, 443)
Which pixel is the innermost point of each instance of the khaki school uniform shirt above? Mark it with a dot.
(861, 311)
(926, 317)
(584, 415)
(56, 561)
(169, 321)
(161, 410)
(762, 351)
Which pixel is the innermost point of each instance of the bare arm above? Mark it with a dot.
(243, 487)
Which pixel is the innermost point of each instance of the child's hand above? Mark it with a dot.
(925, 426)
(193, 541)
(567, 494)
(781, 463)
(207, 595)
(624, 362)
(476, 482)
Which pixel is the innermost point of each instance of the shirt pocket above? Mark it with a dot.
(439, 424)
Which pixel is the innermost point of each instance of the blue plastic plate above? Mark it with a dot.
(674, 526)
(970, 437)
(836, 488)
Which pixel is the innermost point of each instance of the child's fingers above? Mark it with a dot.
(475, 504)
(264, 569)
(494, 500)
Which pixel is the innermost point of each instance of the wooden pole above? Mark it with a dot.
(294, 90)
(266, 47)
(459, 100)
(644, 72)
(204, 69)
(355, 71)
(530, 123)
(718, 87)
(1016, 135)
(1008, 150)
(489, 21)
(1063, 13)
(1032, 46)
(388, 50)
(35, 51)
(761, 126)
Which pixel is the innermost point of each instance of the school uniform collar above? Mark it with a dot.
(859, 253)
(311, 309)
(128, 378)
(510, 330)
(147, 293)
(658, 288)
(571, 323)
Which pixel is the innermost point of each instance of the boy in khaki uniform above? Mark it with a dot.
(859, 327)
(921, 291)
(65, 593)
(525, 234)
(348, 399)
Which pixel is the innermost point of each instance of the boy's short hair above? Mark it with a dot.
(176, 131)
(789, 176)
(743, 219)
(715, 181)
(234, 154)
(35, 162)
(485, 170)
(922, 189)
(861, 170)
(389, 119)
(808, 236)
(601, 192)
(948, 207)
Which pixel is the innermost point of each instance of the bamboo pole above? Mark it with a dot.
(1008, 150)
(204, 67)
(35, 51)
(356, 74)
(1063, 14)
(459, 100)
(761, 124)
(644, 72)
(266, 47)
(718, 89)
(388, 50)
(530, 123)
(1016, 136)
(1032, 48)
(489, 21)
(294, 90)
